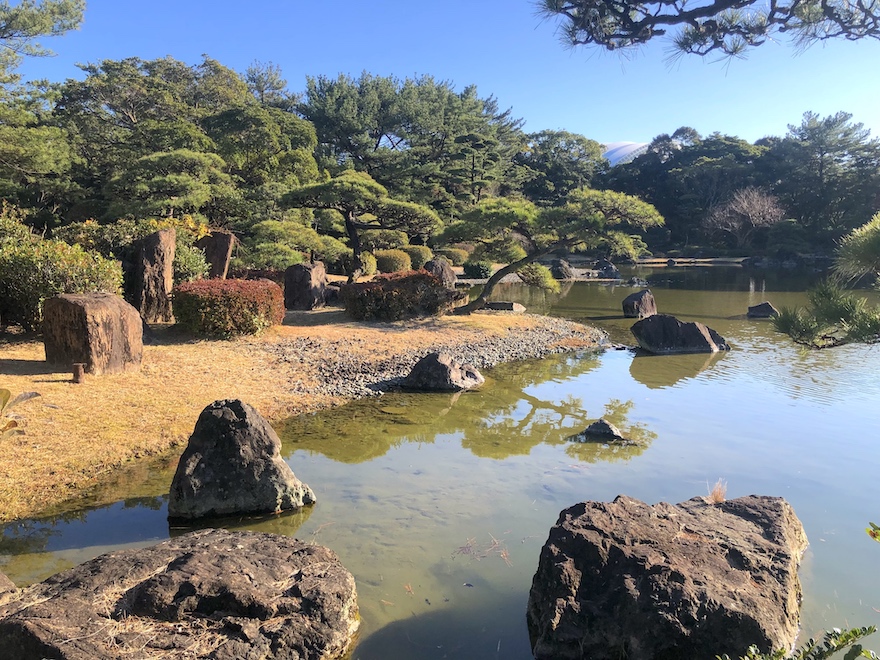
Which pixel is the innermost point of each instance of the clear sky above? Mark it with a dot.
(503, 48)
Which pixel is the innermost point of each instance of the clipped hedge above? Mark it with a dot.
(226, 308)
(33, 270)
(397, 296)
(393, 261)
(478, 270)
(456, 256)
(419, 255)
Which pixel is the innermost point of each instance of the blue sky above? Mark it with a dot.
(501, 46)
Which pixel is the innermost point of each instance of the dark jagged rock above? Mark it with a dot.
(664, 334)
(100, 330)
(600, 431)
(562, 270)
(441, 269)
(639, 305)
(607, 270)
(232, 465)
(664, 582)
(440, 372)
(209, 594)
(305, 286)
(763, 310)
(217, 247)
(148, 274)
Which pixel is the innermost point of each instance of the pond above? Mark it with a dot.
(439, 504)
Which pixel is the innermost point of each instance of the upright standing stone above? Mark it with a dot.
(100, 330)
(639, 305)
(305, 286)
(441, 269)
(149, 276)
(217, 247)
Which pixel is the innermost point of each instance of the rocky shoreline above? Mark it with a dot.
(343, 368)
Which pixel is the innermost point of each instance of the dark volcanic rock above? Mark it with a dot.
(148, 272)
(600, 431)
(607, 270)
(667, 582)
(440, 372)
(763, 311)
(217, 247)
(305, 286)
(232, 465)
(562, 270)
(441, 269)
(639, 305)
(209, 594)
(7, 588)
(664, 334)
(100, 330)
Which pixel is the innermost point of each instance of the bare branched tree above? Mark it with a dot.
(746, 212)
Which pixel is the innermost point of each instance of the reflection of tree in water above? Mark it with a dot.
(286, 523)
(638, 437)
(659, 371)
(505, 418)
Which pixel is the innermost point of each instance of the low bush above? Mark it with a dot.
(33, 270)
(393, 261)
(477, 270)
(226, 308)
(397, 296)
(538, 275)
(456, 256)
(419, 255)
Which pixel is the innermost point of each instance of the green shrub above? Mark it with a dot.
(504, 252)
(369, 263)
(30, 272)
(12, 227)
(393, 261)
(538, 276)
(477, 270)
(226, 308)
(419, 255)
(456, 256)
(397, 296)
(383, 239)
(273, 256)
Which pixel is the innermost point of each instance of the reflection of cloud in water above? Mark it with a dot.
(501, 419)
(659, 371)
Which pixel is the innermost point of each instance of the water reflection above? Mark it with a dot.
(638, 437)
(659, 371)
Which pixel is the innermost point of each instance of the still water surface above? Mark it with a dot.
(439, 504)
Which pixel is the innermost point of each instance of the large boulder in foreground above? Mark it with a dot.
(440, 372)
(691, 580)
(664, 334)
(305, 286)
(639, 305)
(232, 465)
(209, 594)
(100, 330)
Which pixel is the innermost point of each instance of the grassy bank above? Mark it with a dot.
(79, 435)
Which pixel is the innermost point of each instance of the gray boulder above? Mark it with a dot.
(664, 334)
(217, 247)
(441, 269)
(639, 305)
(100, 330)
(600, 431)
(562, 270)
(209, 594)
(440, 372)
(232, 465)
(606, 270)
(305, 286)
(691, 580)
(763, 310)
(148, 275)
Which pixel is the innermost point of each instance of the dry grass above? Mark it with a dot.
(80, 435)
(718, 492)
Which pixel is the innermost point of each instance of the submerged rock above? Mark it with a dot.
(691, 580)
(440, 372)
(232, 465)
(664, 334)
(209, 594)
(600, 431)
(763, 310)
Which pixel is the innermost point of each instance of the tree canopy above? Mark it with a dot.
(728, 27)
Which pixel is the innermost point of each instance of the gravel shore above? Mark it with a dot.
(345, 368)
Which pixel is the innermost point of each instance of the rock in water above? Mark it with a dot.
(600, 431)
(440, 372)
(209, 594)
(639, 305)
(100, 330)
(664, 334)
(764, 310)
(692, 580)
(232, 465)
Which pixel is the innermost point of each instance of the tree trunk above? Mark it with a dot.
(357, 266)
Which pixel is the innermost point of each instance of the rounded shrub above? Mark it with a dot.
(392, 261)
(397, 296)
(226, 308)
(384, 239)
(456, 256)
(478, 270)
(33, 270)
(369, 263)
(419, 255)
